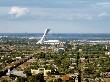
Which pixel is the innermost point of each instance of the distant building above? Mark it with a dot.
(40, 70)
(59, 49)
(51, 42)
(54, 42)
(107, 53)
(65, 77)
(18, 57)
(17, 73)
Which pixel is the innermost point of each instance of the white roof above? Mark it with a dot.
(53, 41)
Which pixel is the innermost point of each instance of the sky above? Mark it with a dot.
(61, 16)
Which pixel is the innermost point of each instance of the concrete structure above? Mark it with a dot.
(51, 42)
(40, 70)
(41, 41)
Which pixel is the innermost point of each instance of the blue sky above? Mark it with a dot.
(61, 16)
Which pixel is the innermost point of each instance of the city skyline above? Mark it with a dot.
(62, 16)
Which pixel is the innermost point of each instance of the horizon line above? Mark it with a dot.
(52, 33)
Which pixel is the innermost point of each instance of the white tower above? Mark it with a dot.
(41, 41)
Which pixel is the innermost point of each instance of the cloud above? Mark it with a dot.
(61, 15)
(103, 4)
(18, 11)
(102, 14)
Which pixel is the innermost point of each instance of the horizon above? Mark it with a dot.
(48, 33)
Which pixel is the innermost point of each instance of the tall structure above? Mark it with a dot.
(50, 42)
(41, 41)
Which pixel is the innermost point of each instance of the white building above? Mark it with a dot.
(53, 42)
(40, 70)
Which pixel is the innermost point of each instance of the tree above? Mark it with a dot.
(40, 77)
(27, 72)
(4, 80)
(36, 78)
(21, 79)
(42, 55)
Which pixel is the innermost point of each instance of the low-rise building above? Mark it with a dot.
(40, 70)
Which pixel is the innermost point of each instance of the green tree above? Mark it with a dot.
(21, 79)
